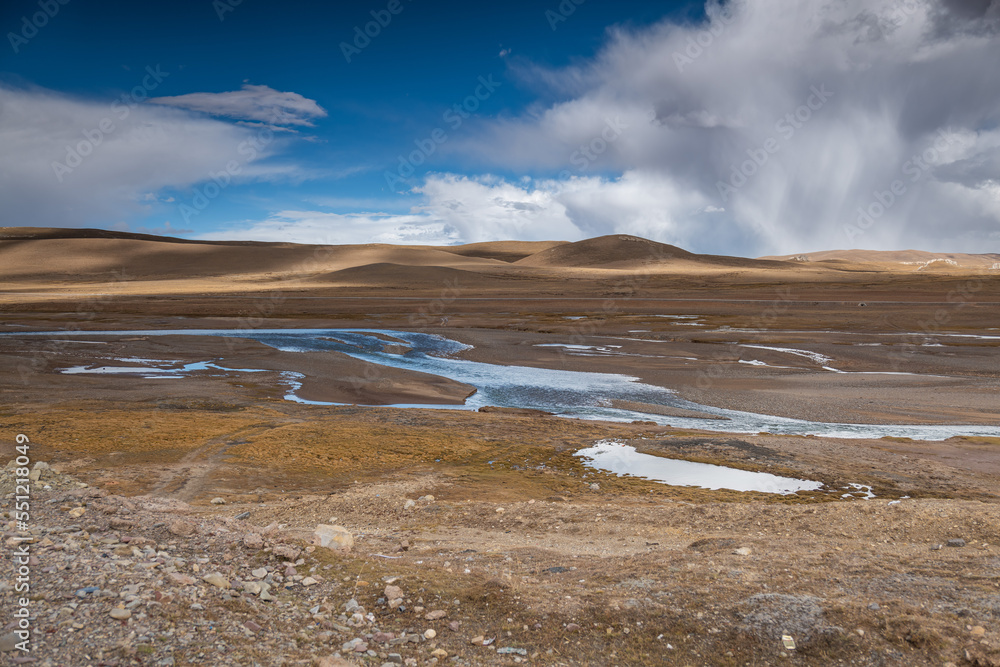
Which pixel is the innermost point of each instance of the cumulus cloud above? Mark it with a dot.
(463, 209)
(262, 104)
(72, 162)
(795, 116)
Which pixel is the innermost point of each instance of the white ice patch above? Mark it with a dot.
(622, 459)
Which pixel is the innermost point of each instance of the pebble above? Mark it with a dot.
(430, 633)
(8, 642)
(121, 614)
(260, 572)
(333, 537)
(956, 542)
(217, 580)
(218, 501)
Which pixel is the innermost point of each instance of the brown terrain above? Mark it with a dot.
(485, 520)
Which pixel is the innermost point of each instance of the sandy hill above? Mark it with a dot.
(505, 251)
(623, 252)
(96, 254)
(915, 260)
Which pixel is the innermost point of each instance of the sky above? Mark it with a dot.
(743, 127)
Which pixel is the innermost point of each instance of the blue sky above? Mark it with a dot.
(459, 122)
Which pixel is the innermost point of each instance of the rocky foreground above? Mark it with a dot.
(121, 581)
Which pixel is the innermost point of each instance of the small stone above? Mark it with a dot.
(454, 626)
(182, 529)
(260, 572)
(286, 551)
(252, 627)
(309, 581)
(8, 642)
(409, 504)
(120, 614)
(395, 658)
(439, 653)
(430, 633)
(217, 580)
(77, 512)
(477, 640)
(572, 627)
(393, 592)
(253, 541)
(742, 551)
(218, 501)
(182, 579)
(426, 499)
(595, 486)
(333, 537)
(435, 615)
(978, 631)
(404, 545)
(956, 542)
(333, 661)
(874, 606)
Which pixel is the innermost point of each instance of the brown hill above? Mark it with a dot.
(623, 252)
(505, 251)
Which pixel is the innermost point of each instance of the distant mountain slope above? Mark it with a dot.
(623, 252)
(505, 251)
(917, 260)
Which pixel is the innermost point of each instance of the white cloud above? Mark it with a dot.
(460, 209)
(694, 99)
(251, 103)
(71, 162)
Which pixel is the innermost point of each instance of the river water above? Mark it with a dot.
(574, 394)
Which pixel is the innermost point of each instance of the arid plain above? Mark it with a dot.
(524, 541)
